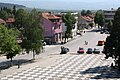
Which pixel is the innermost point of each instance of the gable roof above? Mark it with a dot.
(50, 16)
(87, 18)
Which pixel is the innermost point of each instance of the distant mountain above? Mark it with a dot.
(9, 5)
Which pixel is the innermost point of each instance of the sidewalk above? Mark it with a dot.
(46, 61)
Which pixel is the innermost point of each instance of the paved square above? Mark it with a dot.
(73, 67)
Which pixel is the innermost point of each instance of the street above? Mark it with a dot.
(70, 66)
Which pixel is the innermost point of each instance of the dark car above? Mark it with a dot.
(89, 51)
(64, 50)
(96, 51)
(81, 50)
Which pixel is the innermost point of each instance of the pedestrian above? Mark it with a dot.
(84, 31)
(18, 64)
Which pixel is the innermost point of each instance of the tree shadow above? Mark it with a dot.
(102, 72)
(7, 64)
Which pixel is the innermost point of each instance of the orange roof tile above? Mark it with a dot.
(87, 18)
(50, 16)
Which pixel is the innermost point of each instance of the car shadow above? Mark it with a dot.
(104, 72)
(94, 30)
(7, 64)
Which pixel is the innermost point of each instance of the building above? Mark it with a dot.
(52, 28)
(109, 16)
(10, 22)
(2, 22)
(84, 21)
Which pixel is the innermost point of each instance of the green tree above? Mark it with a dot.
(8, 45)
(69, 21)
(91, 25)
(112, 45)
(83, 13)
(33, 33)
(96, 18)
(14, 10)
(3, 15)
(20, 17)
(88, 12)
(101, 20)
(110, 25)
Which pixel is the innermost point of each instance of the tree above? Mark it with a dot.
(14, 10)
(8, 45)
(101, 20)
(112, 45)
(20, 17)
(69, 21)
(83, 13)
(3, 15)
(91, 25)
(33, 33)
(96, 18)
(110, 25)
(88, 12)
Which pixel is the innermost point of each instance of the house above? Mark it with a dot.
(52, 28)
(84, 21)
(2, 22)
(109, 16)
(10, 22)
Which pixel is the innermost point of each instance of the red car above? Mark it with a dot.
(100, 43)
(81, 50)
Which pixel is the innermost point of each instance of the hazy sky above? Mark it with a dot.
(67, 4)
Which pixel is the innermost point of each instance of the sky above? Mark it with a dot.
(67, 4)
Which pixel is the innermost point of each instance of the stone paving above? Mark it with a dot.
(72, 67)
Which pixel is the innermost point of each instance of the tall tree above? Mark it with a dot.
(3, 15)
(8, 45)
(88, 12)
(96, 18)
(83, 12)
(69, 21)
(112, 45)
(101, 20)
(14, 10)
(33, 33)
(110, 25)
(20, 18)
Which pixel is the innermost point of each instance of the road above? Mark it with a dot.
(91, 36)
(68, 67)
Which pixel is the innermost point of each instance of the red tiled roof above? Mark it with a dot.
(10, 20)
(50, 16)
(2, 21)
(87, 18)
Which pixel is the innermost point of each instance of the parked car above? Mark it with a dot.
(100, 43)
(81, 50)
(89, 51)
(96, 51)
(64, 50)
